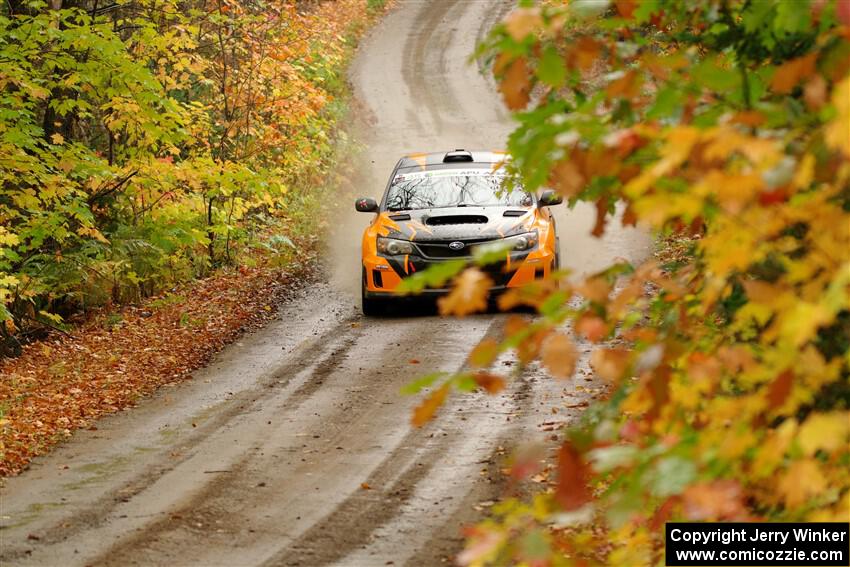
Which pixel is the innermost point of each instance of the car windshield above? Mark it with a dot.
(441, 189)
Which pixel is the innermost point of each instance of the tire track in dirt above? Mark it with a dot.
(394, 485)
(255, 497)
(96, 513)
(414, 68)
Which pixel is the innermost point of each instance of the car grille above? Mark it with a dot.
(442, 250)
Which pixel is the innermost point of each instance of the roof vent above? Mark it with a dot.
(458, 155)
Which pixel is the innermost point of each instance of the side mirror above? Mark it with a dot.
(366, 205)
(549, 198)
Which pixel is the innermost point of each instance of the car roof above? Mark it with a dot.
(453, 159)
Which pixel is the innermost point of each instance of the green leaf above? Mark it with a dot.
(712, 75)
(435, 276)
(551, 69)
(421, 383)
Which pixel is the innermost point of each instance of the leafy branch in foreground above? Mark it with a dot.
(725, 125)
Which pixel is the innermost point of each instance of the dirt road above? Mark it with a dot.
(293, 447)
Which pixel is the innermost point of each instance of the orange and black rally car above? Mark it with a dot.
(440, 206)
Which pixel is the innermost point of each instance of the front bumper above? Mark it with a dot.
(382, 275)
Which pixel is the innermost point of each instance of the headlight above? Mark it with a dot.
(393, 247)
(525, 241)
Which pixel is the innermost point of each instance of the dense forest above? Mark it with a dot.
(144, 143)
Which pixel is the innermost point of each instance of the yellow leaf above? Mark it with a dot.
(484, 353)
(734, 191)
(559, 355)
(826, 431)
(803, 481)
(805, 173)
(801, 321)
(771, 452)
(838, 131)
(468, 295)
(57, 138)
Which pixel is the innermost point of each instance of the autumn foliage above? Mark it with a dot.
(147, 142)
(144, 144)
(724, 127)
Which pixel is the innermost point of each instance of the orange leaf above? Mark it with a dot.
(468, 295)
(627, 86)
(779, 389)
(584, 53)
(703, 368)
(610, 363)
(735, 358)
(490, 382)
(601, 212)
(559, 355)
(629, 216)
(790, 73)
(626, 8)
(814, 92)
(566, 178)
(515, 84)
(595, 289)
(715, 500)
(751, 118)
(573, 473)
(425, 411)
(522, 21)
(515, 324)
(529, 349)
(593, 328)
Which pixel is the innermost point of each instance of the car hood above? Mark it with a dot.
(456, 223)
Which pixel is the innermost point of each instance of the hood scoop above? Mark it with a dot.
(456, 219)
(514, 213)
(400, 216)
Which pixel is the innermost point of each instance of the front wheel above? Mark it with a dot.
(557, 263)
(372, 307)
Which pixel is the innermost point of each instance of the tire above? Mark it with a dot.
(372, 307)
(557, 263)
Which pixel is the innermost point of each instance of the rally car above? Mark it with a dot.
(440, 206)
